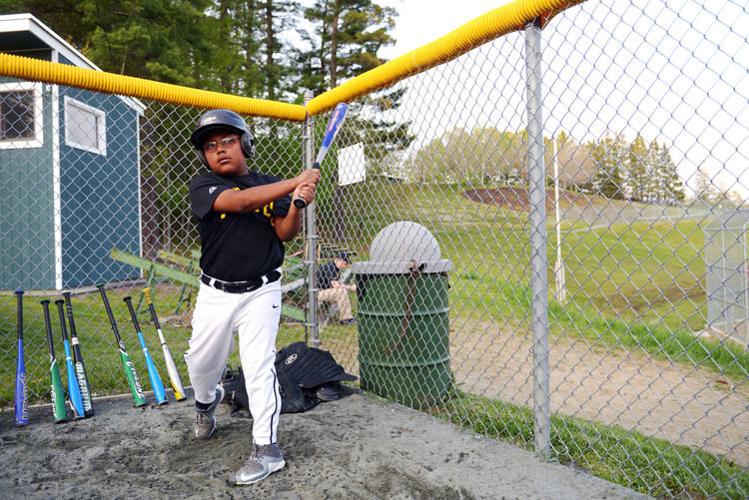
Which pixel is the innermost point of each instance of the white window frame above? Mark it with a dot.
(38, 139)
(101, 119)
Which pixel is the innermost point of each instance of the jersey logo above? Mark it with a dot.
(212, 189)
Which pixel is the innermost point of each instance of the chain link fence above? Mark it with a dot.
(629, 346)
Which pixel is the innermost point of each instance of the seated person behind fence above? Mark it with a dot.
(331, 289)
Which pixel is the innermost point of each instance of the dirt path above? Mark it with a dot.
(693, 407)
(684, 405)
(356, 448)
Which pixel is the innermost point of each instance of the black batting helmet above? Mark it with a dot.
(222, 119)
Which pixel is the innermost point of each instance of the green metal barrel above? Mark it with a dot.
(403, 337)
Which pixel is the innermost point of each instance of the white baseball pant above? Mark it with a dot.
(254, 316)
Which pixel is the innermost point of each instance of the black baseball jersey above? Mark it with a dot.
(236, 246)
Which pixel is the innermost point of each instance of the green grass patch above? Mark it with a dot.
(97, 341)
(502, 301)
(649, 465)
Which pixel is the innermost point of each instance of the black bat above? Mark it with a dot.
(80, 366)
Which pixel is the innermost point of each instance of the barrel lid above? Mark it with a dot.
(401, 246)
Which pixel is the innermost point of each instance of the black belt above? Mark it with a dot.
(240, 286)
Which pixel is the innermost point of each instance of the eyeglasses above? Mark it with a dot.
(226, 142)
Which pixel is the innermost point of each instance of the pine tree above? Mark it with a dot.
(638, 171)
(672, 183)
(608, 157)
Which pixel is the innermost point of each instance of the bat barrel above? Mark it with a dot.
(334, 125)
(110, 315)
(19, 313)
(48, 327)
(151, 308)
(61, 312)
(129, 301)
(69, 309)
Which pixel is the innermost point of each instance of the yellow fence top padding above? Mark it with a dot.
(73, 76)
(489, 26)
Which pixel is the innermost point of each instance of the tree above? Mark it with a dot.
(576, 167)
(162, 41)
(346, 37)
(670, 188)
(637, 170)
(609, 158)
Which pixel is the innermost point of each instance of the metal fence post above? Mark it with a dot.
(313, 328)
(537, 222)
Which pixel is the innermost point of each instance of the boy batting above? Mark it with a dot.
(243, 218)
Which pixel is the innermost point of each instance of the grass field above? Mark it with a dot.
(631, 285)
(652, 466)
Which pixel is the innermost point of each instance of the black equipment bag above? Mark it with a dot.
(306, 375)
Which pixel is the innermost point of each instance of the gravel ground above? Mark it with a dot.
(358, 447)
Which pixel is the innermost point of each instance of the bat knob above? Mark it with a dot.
(300, 203)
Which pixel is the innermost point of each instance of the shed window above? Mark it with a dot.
(20, 116)
(85, 127)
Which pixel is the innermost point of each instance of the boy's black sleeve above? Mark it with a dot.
(203, 192)
(281, 206)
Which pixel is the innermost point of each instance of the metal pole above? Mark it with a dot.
(745, 276)
(310, 234)
(538, 241)
(559, 280)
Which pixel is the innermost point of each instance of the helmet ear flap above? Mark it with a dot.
(248, 145)
(201, 155)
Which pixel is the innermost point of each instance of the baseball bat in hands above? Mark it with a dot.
(133, 382)
(171, 367)
(80, 366)
(22, 391)
(153, 374)
(334, 125)
(59, 412)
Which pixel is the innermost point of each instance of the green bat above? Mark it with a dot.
(58, 393)
(139, 399)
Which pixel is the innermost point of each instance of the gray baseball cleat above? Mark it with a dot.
(262, 462)
(205, 420)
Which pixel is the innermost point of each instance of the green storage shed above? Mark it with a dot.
(69, 172)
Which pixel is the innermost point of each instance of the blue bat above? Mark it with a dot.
(22, 394)
(334, 125)
(153, 374)
(74, 390)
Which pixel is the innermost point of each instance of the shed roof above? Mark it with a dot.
(24, 32)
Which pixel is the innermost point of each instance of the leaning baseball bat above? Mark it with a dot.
(132, 377)
(334, 125)
(74, 390)
(22, 391)
(171, 368)
(80, 366)
(56, 389)
(153, 374)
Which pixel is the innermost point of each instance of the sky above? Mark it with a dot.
(675, 72)
(422, 21)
